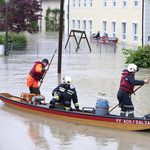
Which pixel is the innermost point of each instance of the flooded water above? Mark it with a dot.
(95, 75)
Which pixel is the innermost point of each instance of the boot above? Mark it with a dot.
(51, 106)
(131, 114)
(67, 108)
(123, 111)
(122, 114)
(52, 102)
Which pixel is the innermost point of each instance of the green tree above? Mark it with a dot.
(2, 3)
(52, 19)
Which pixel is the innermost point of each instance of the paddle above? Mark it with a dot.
(130, 95)
(47, 68)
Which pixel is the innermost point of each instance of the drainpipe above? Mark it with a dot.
(142, 22)
(68, 15)
(41, 18)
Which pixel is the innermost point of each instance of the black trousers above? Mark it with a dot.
(125, 100)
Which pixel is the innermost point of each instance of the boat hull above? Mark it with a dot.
(104, 40)
(109, 121)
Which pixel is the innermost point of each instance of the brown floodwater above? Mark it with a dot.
(95, 75)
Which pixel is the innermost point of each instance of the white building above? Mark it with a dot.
(128, 20)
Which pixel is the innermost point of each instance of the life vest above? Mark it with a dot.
(34, 74)
(124, 85)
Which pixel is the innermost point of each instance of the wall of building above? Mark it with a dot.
(97, 14)
(45, 4)
(146, 23)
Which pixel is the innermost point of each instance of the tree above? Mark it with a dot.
(2, 3)
(22, 14)
(52, 19)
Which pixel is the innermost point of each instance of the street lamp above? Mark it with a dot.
(6, 45)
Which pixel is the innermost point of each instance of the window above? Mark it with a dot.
(79, 3)
(124, 3)
(148, 38)
(104, 3)
(135, 3)
(113, 29)
(84, 25)
(73, 24)
(104, 27)
(84, 3)
(73, 3)
(114, 3)
(90, 27)
(90, 3)
(124, 31)
(135, 32)
(78, 24)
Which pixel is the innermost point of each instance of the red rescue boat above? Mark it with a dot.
(104, 39)
(87, 115)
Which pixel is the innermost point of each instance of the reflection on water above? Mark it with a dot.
(32, 132)
(95, 75)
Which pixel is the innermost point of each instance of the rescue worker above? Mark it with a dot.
(64, 93)
(97, 35)
(35, 75)
(127, 84)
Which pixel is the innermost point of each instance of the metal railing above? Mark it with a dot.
(108, 47)
(48, 48)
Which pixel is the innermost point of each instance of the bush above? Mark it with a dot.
(14, 38)
(141, 57)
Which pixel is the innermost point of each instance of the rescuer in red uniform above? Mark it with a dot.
(127, 84)
(35, 75)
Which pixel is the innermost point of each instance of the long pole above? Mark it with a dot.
(6, 45)
(60, 35)
(47, 68)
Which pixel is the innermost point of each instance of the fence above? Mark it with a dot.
(108, 47)
(48, 48)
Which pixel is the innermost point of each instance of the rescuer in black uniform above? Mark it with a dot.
(64, 93)
(127, 84)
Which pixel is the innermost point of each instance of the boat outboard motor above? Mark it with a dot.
(102, 107)
(38, 99)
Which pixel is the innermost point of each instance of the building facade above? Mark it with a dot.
(128, 20)
(45, 4)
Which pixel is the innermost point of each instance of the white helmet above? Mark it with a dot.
(67, 80)
(132, 68)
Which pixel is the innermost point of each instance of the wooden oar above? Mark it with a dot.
(47, 68)
(130, 94)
